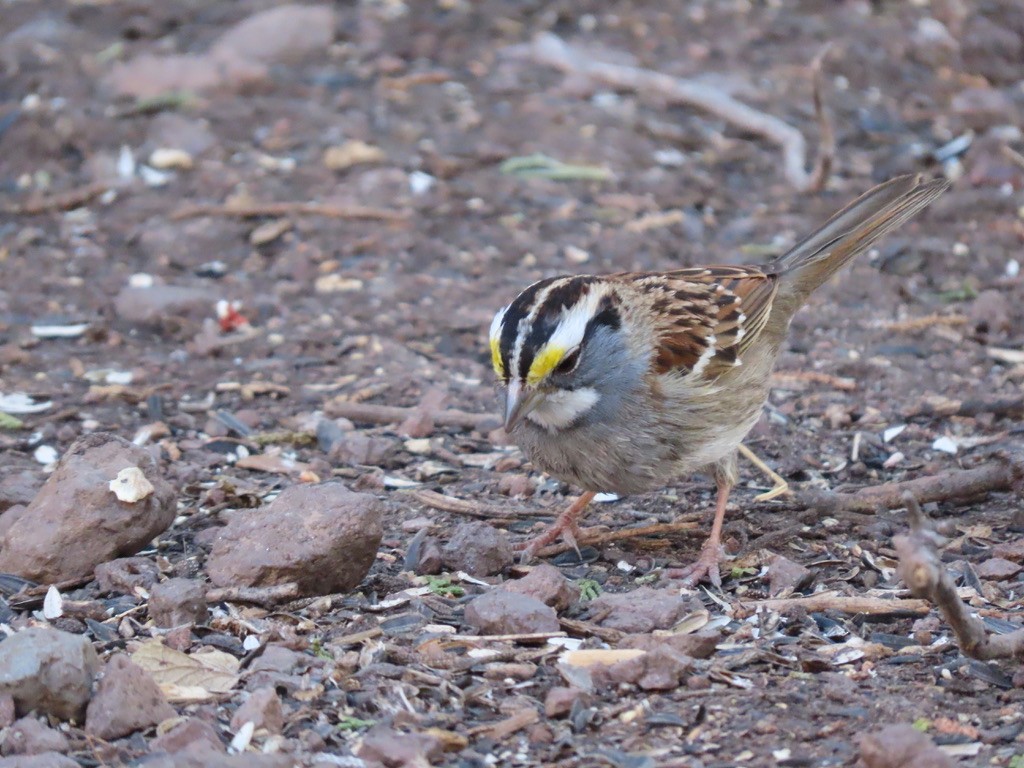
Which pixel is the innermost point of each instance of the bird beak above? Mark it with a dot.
(519, 402)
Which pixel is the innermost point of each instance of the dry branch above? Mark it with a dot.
(62, 201)
(937, 406)
(278, 593)
(588, 538)
(256, 210)
(551, 50)
(956, 486)
(456, 506)
(829, 601)
(391, 414)
(923, 572)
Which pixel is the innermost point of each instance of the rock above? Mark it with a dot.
(322, 537)
(28, 736)
(10, 517)
(287, 33)
(1011, 550)
(783, 574)
(991, 46)
(499, 612)
(170, 129)
(478, 549)
(560, 701)
(211, 759)
(664, 669)
(76, 522)
(990, 313)
(901, 746)
(547, 584)
(164, 306)
(48, 671)
(980, 108)
(642, 610)
(124, 574)
(127, 700)
(932, 44)
(262, 709)
(7, 713)
(18, 488)
(45, 760)
(699, 645)
(998, 568)
(355, 448)
(429, 560)
(394, 749)
(178, 601)
(194, 736)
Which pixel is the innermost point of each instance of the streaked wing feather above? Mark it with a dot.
(707, 317)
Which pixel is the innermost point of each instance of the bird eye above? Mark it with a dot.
(568, 363)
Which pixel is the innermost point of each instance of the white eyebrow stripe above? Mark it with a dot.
(573, 325)
(497, 322)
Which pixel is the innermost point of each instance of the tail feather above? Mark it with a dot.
(851, 231)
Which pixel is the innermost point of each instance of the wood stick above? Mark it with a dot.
(922, 571)
(551, 50)
(61, 201)
(937, 406)
(588, 628)
(369, 413)
(277, 593)
(958, 485)
(524, 637)
(829, 601)
(256, 210)
(606, 537)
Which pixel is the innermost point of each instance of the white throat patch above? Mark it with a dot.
(561, 408)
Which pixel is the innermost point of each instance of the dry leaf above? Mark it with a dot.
(131, 485)
(188, 678)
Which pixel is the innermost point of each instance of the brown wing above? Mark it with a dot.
(707, 316)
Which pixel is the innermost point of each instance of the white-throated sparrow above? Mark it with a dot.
(623, 382)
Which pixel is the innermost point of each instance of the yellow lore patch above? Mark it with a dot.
(499, 367)
(544, 363)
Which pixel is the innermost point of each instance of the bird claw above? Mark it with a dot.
(567, 531)
(706, 567)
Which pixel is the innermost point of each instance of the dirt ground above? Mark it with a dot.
(394, 308)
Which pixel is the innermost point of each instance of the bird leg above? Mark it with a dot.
(711, 553)
(565, 526)
(780, 485)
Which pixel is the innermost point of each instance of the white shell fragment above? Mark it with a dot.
(166, 158)
(45, 454)
(19, 402)
(53, 604)
(893, 432)
(131, 485)
(945, 444)
(59, 331)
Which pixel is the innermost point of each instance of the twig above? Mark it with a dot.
(787, 380)
(829, 601)
(606, 537)
(937, 406)
(914, 324)
(961, 485)
(588, 629)
(923, 572)
(358, 637)
(456, 506)
(504, 728)
(256, 210)
(62, 201)
(277, 593)
(391, 414)
(551, 50)
(524, 637)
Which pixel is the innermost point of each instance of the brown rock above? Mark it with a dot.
(18, 488)
(45, 760)
(998, 568)
(499, 612)
(783, 574)
(322, 537)
(127, 700)
(395, 749)
(7, 713)
(547, 584)
(287, 33)
(170, 129)
(194, 735)
(178, 601)
(28, 736)
(900, 746)
(76, 522)
(126, 573)
(48, 671)
(642, 610)
(699, 645)
(1011, 550)
(429, 560)
(262, 709)
(165, 306)
(664, 669)
(10, 517)
(560, 701)
(355, 448)
(990, 313)
(478, 549)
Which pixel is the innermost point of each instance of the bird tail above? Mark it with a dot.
(851, 231)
